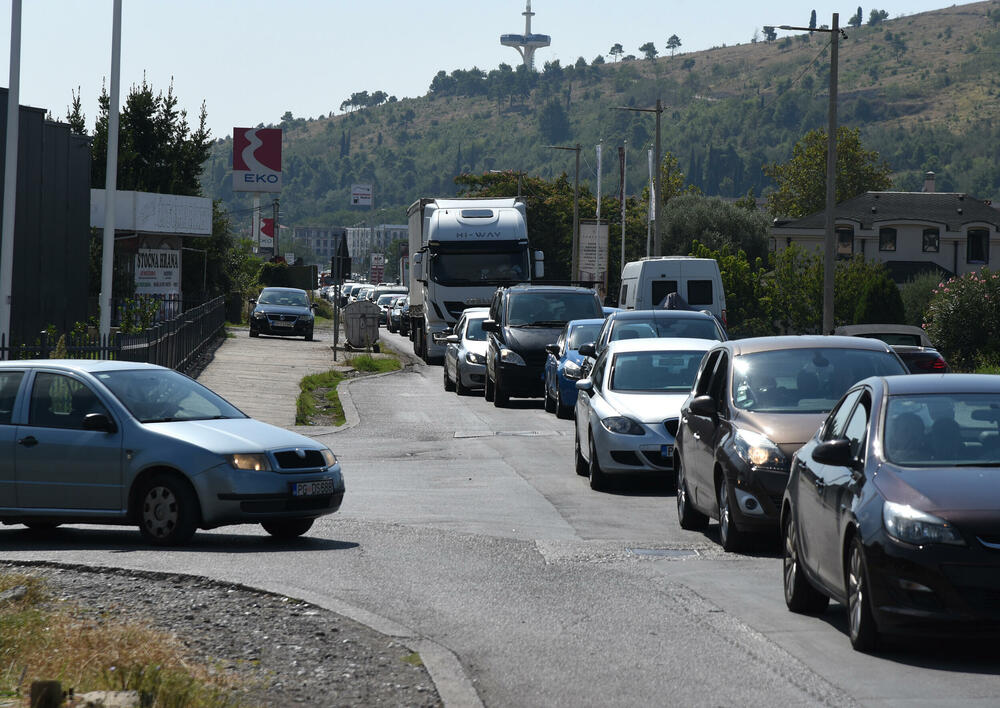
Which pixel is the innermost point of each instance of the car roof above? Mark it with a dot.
(284, 290)
(475, 312)
(594, 320)
(908, 385)
(549, 289)
(660, 344)
(79, 365)
(753, 345)
(647, 315)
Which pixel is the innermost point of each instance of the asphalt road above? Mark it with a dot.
(466, 527)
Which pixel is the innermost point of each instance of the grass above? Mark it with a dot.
(40, 640)
(319, 404)
(413, 659)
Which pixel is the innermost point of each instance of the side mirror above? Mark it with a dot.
(252, 300)
(703, 406)
(587, 350)
(552, 349)
(585, 385)
(99, 422)
(539, 264)
(417, 266)
(836, 453)
(490, 326)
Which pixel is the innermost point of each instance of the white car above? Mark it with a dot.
(465, 355)
(627, 410)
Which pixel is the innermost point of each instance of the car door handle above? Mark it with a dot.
(820, 484)
(29, 441)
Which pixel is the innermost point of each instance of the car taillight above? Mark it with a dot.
(935, 365)
(724, 322)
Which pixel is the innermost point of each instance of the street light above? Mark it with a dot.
(657, 241)
(829, 245)
(574, 275)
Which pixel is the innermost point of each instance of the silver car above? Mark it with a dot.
(465, 355)
(627, 410)
(108, 442)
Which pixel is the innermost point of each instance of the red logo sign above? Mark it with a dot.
(257, 159)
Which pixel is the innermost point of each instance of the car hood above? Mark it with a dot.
(530, 339)
(233, 435)
(966, 496)
(478, 346)
(647, 407)
(789, 431)
(283, 309)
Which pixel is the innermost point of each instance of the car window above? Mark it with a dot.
(705, 373)
(561, 344)
(632, 330)
(10, 381)
(717, 386)
(837, 421)
(474, 330)
(583, 334)
(938, 430)
(164, 395)
(291, 299)
(689, 328)
(699, 292)
(597, 375)
(668, 371)
(59, 401)
(856, 430)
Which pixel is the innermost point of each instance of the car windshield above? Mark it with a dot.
(386, 300)
(164, 395)
(583, 334)
(804, 380)
(670, 371)
(551, 309)
(474, 331)
(277, 297)
(944, 429)
(479, 267)
(687, 328)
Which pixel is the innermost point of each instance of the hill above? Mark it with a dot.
(923, 90)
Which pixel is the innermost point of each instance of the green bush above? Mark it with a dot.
(916, 294)
(880, 302)
(323, 308)
(963, 319)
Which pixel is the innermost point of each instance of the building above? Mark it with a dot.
(363, 241)
(911, 232)
(321, 240)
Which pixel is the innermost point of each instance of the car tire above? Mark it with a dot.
(731, 538)
(488, 389)
(861, 626)
(287, 528)
(582, 468)
(460, 388)
(309, 336)
(598, 479)
(448, 385)
(168, 510)
(687, 516)
(42, 526)
(562, 411)
(254, 333)
(550, 404)
(800, 594)
(500, 396)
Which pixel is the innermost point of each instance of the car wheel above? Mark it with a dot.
(800, 595)
(41, 525)
(287, 528)
(562, 411)
(460, 388)
(860, 620)
(598, 480)
(500, 396)
(688, 517)
(168, 514)
(730, 537)
(309, 336)
(582, 468)
(448, 385)
(550, 404)
(488, 390)
(254, 333)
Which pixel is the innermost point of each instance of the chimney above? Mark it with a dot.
(929, 182)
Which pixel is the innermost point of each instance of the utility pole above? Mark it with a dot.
(574, 275)
(274, 225)
(829, 242)
(657, 239)
(10, 181)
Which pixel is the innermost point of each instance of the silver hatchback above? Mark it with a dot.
(106, 442)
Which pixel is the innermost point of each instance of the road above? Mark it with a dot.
(466, 525)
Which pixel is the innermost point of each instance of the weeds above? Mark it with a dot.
(319, 404)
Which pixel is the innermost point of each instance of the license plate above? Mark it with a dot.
(312, 489)
(667, 450)
(278, 323)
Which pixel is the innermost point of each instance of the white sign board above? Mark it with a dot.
(361, 195)
(157, 272)
(378, 259)
(593, 251)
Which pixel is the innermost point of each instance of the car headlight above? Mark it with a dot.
(473, 358)
(622, 425)
(904, 523)
(509, 356)
(328, 457)
(252, 461)
(572, 370)
(258, 314)
(757, 450)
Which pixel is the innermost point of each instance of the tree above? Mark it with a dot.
(770, 34)
(857, 19)
(801, 182)
(616, 50)
(74, 115)
(876, 17)
(553, 121)
(812, 20)
(673, 43)
(715, 223)
(880, 302)
(649, 49)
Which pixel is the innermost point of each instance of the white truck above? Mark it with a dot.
(461, 250)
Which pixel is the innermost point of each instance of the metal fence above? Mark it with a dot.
(172, 342)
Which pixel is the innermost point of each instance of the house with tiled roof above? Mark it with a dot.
(911, 232)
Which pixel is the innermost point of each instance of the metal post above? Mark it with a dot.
(624, 199)
(576, 217)
(255, 222)
(274, 225)
(111, 178)
(831, 185)
(657, 238)
(10, 179)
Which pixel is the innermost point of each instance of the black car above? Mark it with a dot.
(910, 342)
(754, 403)
(893, 509)
(523, 319)
(282, 311)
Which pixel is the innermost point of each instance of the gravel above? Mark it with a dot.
(284, 651)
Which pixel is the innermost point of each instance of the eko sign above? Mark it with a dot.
(256, 159)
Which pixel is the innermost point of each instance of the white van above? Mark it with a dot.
(645, 283)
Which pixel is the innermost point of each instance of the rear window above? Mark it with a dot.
(660, 289)
(699, 292)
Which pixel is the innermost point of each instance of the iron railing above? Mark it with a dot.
(171, 342)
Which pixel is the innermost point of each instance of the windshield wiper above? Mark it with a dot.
(547, 323)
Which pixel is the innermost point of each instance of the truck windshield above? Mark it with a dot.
(479, 268)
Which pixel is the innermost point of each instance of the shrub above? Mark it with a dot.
(963, 319)
(916, 294)
(880, 302)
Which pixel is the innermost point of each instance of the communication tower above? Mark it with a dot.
(526, 43)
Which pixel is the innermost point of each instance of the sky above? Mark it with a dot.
(250, 61)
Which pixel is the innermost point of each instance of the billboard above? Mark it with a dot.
(157, 272)
(256, 159)
(593, 251)
(361, 195)
(266, 236)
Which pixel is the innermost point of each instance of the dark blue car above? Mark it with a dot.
(563, 365)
